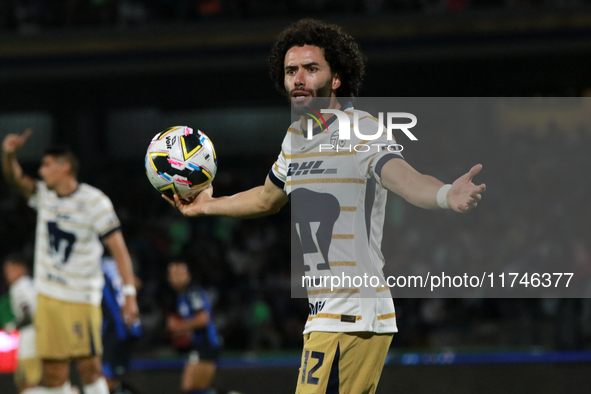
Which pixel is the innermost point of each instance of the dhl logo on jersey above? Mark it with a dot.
(309, 167)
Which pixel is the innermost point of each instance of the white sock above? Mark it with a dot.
(98, 387)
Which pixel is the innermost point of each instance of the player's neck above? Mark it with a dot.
(15, 279)
(181, 289)
(66, 187)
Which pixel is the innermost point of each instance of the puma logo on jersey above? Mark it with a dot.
(61, 242)
(312, 167)
(316, 307)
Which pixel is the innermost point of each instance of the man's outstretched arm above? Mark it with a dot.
(256, 202)
(13, 173)
(421, 190)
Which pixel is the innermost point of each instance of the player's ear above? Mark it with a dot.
(336, 81)
(67, 167)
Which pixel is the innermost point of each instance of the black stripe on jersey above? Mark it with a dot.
(276, 181)
(383, 160)
(111, 231)
(370, 197)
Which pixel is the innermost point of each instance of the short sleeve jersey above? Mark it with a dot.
(338, 206)
(192, 301)
(68, 246)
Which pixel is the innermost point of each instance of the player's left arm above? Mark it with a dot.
(421, 190)
(116, 245)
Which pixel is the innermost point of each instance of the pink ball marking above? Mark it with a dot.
(178, 163)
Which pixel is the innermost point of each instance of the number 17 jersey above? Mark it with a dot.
(68, 246)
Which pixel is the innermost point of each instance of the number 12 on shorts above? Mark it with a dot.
(311, 379)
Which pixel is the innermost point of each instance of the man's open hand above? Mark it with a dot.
(464, 195)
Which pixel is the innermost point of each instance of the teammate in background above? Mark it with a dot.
(23, 302)
(195, 323)
(72, 220)
(119, 339)
(345, 346)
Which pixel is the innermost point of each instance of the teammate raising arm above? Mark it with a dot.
(13, 173)
(72, 220)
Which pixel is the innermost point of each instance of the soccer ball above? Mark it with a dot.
(181, 161)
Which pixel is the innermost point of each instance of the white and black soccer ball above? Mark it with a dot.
(182, 161)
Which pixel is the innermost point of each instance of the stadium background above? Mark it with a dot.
(105, 76)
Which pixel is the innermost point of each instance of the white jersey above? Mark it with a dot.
(338, 206)
(23, 299)
(68, 246)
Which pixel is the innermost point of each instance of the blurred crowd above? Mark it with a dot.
(32, 16)
(534, 214)
(533, 217)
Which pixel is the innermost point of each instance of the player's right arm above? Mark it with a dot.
(13, 172)
(256, 202)
(198, 321)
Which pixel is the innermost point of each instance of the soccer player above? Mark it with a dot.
(72, 220)
(196, 324)
(23, 302)
(119, 339)
(349, 331)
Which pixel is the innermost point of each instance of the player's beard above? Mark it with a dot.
(319, 98)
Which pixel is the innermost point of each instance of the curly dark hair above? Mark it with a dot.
(340, 51)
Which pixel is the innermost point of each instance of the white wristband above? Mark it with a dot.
(129, 290)
(442, 196)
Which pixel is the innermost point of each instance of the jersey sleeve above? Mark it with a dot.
(104, 218)
(373, 154)
(278, 173)
(35, 199)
